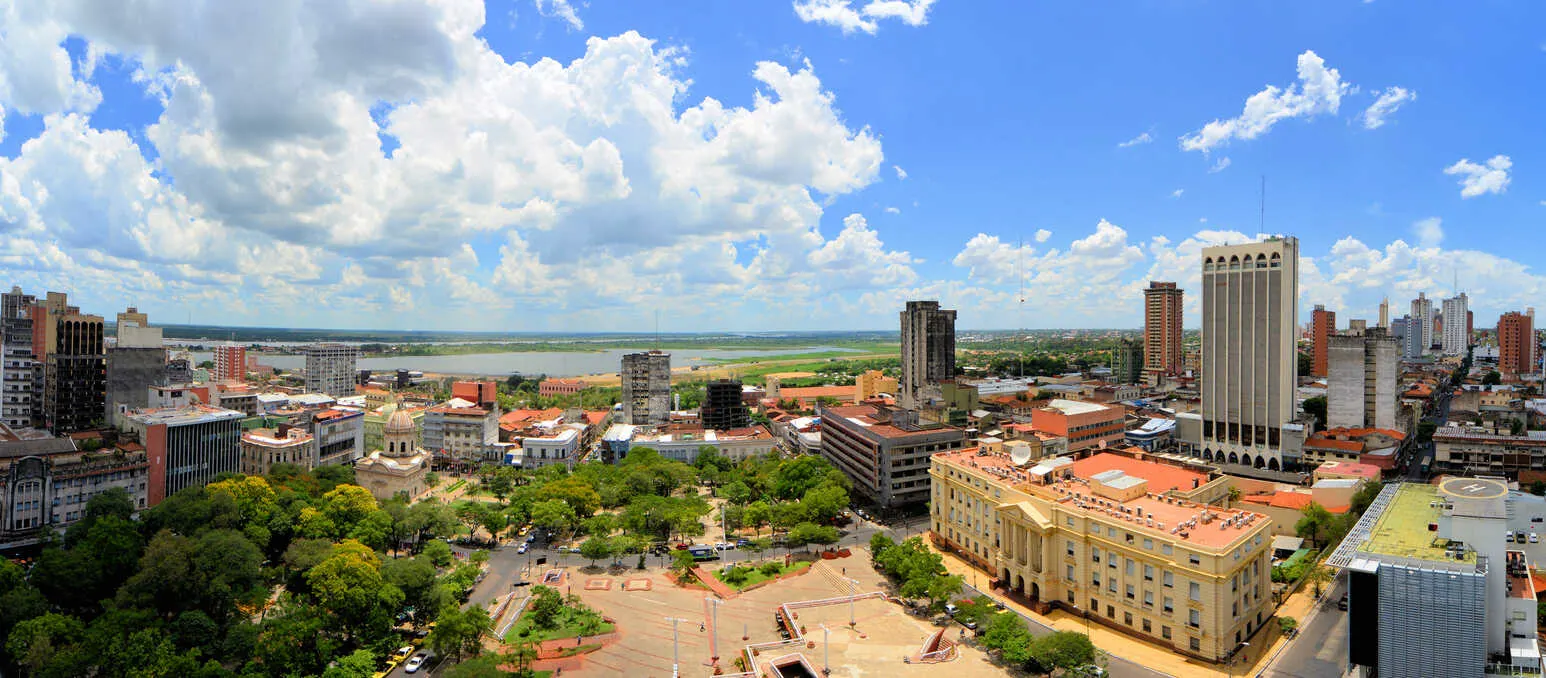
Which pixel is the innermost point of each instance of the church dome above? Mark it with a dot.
(399, 422)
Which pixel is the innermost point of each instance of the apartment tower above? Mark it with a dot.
(1249, 319)
(1422, 315)
(1323, 324)
(18, 366)
(231, 363)
(1516, 343)
(1457, 335)
(1161, 330)
(330, 369)
(646, 381)
(1385, 312)
(928, 351)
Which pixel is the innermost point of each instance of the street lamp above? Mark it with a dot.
(714, 635)
(675, 662)
(853, 591)
(826, 650)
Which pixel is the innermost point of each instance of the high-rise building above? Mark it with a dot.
(1516, 344)
(1436, 587)
(928, 352)
(1127, 362)
(1408, 337)
(1422, 314)
(19, 368)
(1470, 324)
(1457, 337)
(1323, 324)
(188, 446)
(330, 368)
(1385, 312)
(1362, 384)
(1162, 330)
(723, 408)
(135, 363)
(646, 381)
(231, 363)
(75, 373)
(1249, 319)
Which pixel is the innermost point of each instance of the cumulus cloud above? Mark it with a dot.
(1386, 104)
(858, 258)
(561, 9)
(1318, 91)
(867, 17)
(1481, 179)
(1177, 193)
(893, 210)
(1042, 234)
(1429, 232)
(1140, 139)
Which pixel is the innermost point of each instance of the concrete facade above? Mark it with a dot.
(1422, 316)
(1517, 347)
(928, 351)
(230, 362)
(1323, 324)
(19, 368)
(1457, 327)
(330, 369)
(131, 371)
(45, 484)
(461, 434)
(187, 447)
(1127, 362)
(1363, 385)
(1249, 320)
(263, 447)
(1086, 426)
(340, 436)
(885, 451)
(646, 379)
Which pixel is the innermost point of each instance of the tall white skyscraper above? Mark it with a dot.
(1422, 315)
(1250, 308)
(1456, 336)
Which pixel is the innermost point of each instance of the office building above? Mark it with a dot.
(928, 353)
(1162, 303)
(1087, 426)
(872, 384)
(231, 362)
(1249, 371)
(1436, 589)
(1127, 543)
(1362, 387)
(1517, 346)
(261, 448)
(646, 381)
(722, 407)
(1422, 315)
(46, 482)
(136, 362)
(461, 438)
(1127, 362)
(1457, 335)
(1323, 324)
(1385, 313)
(131, 317)
(885, 450)
(20, 375)
(330, 369)
(1479, 449)
(187, 446)
(75, 370)
(1408, 337)
(340, 436)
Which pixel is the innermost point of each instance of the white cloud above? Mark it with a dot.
(1429, 232)
(858, 258)
(1387, 103)
(1140, 139)
(900, 173)
(1318, 91)
(1042, 234)
(893, 210)
(560, 9)
(1476, 179)
(1222, 164)
(842, 14)
(1177, 193)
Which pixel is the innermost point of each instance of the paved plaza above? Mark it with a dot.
(643, 646)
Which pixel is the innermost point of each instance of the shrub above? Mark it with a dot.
(771, 568)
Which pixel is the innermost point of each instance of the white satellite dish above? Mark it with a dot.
(1019, 454)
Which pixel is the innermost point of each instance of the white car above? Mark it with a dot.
(1535, 538)
(522, 549)
(416, 663)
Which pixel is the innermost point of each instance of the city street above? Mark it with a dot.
(1320, 649)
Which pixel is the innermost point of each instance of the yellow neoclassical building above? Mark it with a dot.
(1119, 539)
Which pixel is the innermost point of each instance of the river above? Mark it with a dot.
(551, 363)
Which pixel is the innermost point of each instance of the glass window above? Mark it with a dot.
(1148, 544)
(1170, 579)
(1148, 599)
(1194, 618)
(1193, 559)
(1194, 591)
(1196, 646)
(1148, 572)
(1128, 566)
(1165, 632)
(1070, 573)
(1170, 605)
(1129, 591)
(1166, 549)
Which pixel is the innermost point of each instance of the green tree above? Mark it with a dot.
(347, 505)
(681, 562)
(438, 552)
(1315, 525)
(596, 548)
(360, 663)
(546, 604)
(46, 645)
(879, 544)
(1008, 634)
(554, 514)
(758, 514)
(1316, 407)
(1288, 625)
(824, 502)
(1065, 650)
(941, 588)
(299, 638)
(349, 585)
(415, 577)
(459, 632)
(1492, 378)
(736, 492)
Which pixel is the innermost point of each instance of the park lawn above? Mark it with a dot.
(757, 577)
(568, 627)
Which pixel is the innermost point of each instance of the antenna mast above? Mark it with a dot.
(1263, 203)
(1020, 278)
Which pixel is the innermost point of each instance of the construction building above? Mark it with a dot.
(1124, 542)
(1362, 387)
(885, 450)
(1127, 362)
(330, 369)
(1250, 312)
(928, 353)
(722, 407)
(75, 366)
(646, 381)
(1162, 303)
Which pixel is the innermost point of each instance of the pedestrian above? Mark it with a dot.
(700, 627)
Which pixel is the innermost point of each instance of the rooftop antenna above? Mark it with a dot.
(1263, 203)
(657, 329)
(1020, 277)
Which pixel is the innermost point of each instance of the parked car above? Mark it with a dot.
(1092, 671)
(402, 653)
(743, 541)
(521, 549)
(1519, 537)
(1535, 538)
(1342, 603)
(951, 609)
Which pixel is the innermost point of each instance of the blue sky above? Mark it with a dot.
(550, 166)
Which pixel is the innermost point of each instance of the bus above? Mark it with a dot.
(703, 553)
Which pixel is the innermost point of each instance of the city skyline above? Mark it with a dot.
(564, 167)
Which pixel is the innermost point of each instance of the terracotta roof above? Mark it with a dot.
(1362, 432)
(1162, 477)
(596, 417)
(1348, 445)
(813, 392)
(517, 417)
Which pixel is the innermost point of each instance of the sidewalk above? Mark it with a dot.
(1150, 655)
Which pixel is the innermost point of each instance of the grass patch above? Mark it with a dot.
(580, 649)
(756, 576)
(568, 627)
